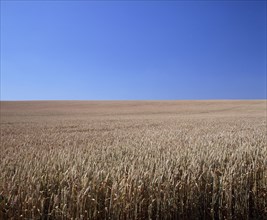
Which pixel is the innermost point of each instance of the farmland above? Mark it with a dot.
(133, 160)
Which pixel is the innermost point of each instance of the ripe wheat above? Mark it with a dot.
(133, 160)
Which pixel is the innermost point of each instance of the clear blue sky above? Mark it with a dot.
(133, 50)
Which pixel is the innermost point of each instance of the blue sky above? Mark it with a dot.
(115, 50)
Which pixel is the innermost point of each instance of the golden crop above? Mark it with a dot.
(133, 160)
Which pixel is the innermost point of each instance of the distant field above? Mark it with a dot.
(133, 160)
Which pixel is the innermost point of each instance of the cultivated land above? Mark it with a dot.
(133, 160)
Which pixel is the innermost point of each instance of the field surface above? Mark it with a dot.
(133, 160)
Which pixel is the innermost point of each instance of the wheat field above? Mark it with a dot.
(133, 160)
